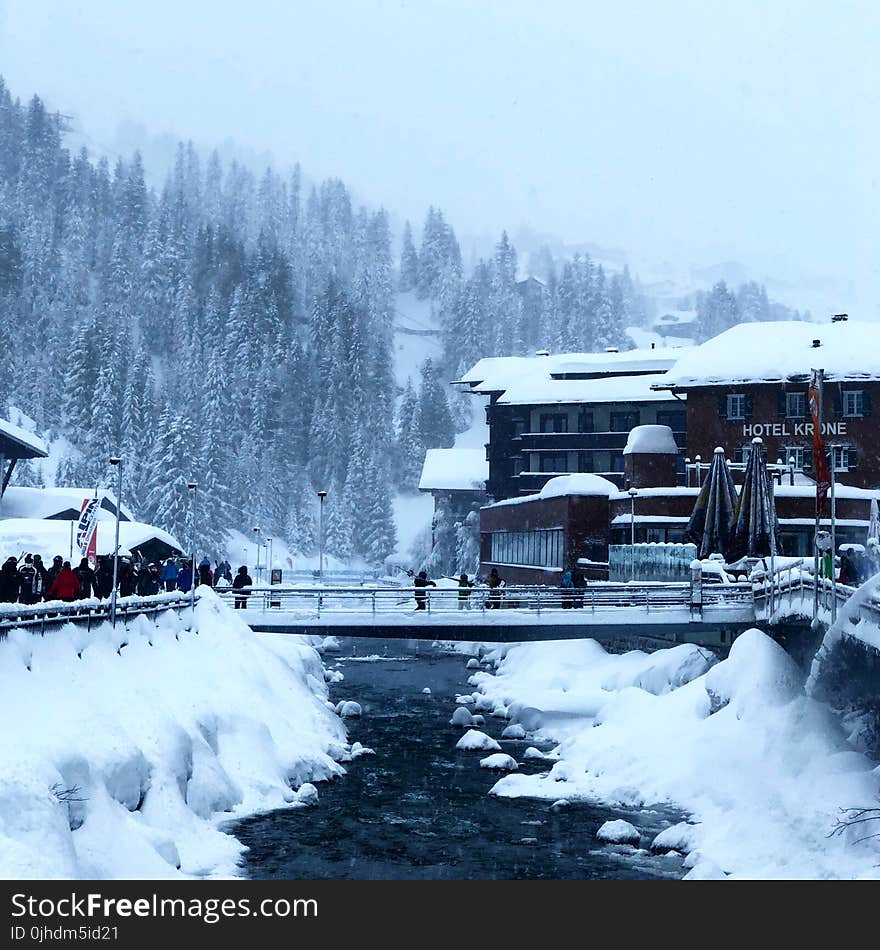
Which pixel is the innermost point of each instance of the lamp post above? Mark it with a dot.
(192, 514)
(256, 530)
(632, 531)
(117, 461)
(269, 558)
(791, 464)
(321, 495)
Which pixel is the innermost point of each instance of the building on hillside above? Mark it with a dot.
(570, 413)
(678, 324)
(457, 480)
(58, 504)
(17, 443)
(752, 381)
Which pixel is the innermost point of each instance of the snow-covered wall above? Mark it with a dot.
(123, 750)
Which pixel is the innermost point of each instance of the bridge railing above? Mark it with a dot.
(39, 617)
(647, 597)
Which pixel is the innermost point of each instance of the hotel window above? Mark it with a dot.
(624, 421)
(741, 454)
(541, 548)
(795, 405)
(519, 426)
(736, 406)
(585, 422)
(844, 458)
(553, 461)
(553, 422)
(617, 464)
(674, 418)
(586, 462)
(853, 403)
(796, 452)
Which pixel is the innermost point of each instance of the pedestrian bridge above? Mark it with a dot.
(678, 612)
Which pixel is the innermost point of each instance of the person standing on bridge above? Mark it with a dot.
(66, 585)
(421, 595)
(169, 574)
(242, 580)
(88, 582)
(495, 585)
(464, 592)
(10, 581)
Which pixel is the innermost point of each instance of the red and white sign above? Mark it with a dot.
(87, 529)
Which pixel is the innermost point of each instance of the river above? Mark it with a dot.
(420, 809)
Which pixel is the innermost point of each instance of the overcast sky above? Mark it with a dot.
(674, 130)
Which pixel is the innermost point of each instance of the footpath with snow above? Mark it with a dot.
(125, 749)
(762, 768)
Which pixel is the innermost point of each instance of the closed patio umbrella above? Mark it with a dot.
(756, 524)
(711, 523)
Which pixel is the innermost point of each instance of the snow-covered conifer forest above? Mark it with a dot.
(237, 329)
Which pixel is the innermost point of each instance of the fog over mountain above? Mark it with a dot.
(701, 142)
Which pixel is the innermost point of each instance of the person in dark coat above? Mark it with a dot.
(580, 585)
(88, 582)
(185, 577)
(242, 579)
(104, 577)
(495, 585)
(127, 578)
(27, 575)
(149, 582)
(65, 586)
(464, 592)
(53, 572)
(10, 581)
(40, 573)
(205, 574)
(420, 583)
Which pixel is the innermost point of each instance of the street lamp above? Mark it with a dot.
(791, 464)
(632, 530)
(192, 581)
(116, 460)
(269, 558)
(322, 495)
(256, 531)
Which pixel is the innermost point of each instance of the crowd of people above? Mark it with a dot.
(27, 580)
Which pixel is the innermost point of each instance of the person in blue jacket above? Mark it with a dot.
(185, 577)
(169, 574)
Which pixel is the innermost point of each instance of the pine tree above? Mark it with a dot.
(409, 262)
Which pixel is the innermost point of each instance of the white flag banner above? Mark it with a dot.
(86, 526)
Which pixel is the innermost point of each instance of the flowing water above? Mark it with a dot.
(419, 808)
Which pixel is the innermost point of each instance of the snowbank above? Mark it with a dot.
(131, 745)
(761, 768)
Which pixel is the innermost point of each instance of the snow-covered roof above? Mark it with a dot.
(454, 470)
(580, 483)
(650, 440)
(535, 390)
(776, 351)
(48, 538)
(16, 442)
(22, 502)
(674, 317)
(498, 373)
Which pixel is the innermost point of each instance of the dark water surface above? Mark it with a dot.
(420, 809)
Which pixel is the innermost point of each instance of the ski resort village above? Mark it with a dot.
(339, 545)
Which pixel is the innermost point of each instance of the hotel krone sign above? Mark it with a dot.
(784, 429)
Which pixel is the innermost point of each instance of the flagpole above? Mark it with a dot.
(833, 544)
(818, 376)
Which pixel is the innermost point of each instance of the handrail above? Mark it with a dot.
(90, 610)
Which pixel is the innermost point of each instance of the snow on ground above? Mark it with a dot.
(127, 752)
(761, 768)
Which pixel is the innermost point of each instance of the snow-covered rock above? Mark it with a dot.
(619, 832)
(307, 794)
(477, 720)
(680, 837)
(559, 804)
(533, 753)
(513, 731)
(350, 709)
(705, 870)
(333, 676)
(499, 761)
(473, 664)
(499, 712)
(330, 645)
(427, 690)
(461, 716)
(474, 739)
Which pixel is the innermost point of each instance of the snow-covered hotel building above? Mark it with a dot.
(571, 412)
(574, 415)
